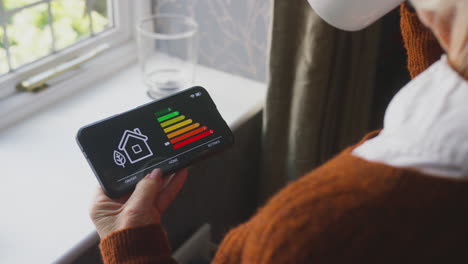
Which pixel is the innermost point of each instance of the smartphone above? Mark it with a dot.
(169, 134)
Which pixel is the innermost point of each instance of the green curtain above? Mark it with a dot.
(320, 92)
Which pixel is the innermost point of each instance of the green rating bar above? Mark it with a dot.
(168, 116)
(163, 112)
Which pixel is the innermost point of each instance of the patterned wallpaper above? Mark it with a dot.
(233, 33)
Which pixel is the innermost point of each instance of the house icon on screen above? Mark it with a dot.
(135, 145)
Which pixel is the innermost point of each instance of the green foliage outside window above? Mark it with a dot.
(29, 32)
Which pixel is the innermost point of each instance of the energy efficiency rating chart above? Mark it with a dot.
(179, 129)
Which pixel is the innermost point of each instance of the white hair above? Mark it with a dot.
(454, 15)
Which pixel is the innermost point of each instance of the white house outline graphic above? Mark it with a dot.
(136, 133)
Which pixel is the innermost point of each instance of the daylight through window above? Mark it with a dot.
(32, 29)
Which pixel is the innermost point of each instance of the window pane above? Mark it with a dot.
(29, 35)
(10, 4)
(3, 57)
(30, 32)
(71, 22)
(100, 15)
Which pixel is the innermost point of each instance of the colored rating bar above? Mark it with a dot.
(189, 134)
(168, 116)
(193, 139)
(177, 126)
(172, 121)
(163, 112)
(182, 130)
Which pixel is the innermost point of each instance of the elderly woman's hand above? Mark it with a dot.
(143, 207)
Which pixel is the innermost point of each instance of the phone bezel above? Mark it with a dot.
(115, 193)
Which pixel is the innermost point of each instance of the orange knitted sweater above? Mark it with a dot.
(347, 211)
(422, 47)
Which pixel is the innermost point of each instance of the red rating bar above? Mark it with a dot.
(189, 134)
(193, 139)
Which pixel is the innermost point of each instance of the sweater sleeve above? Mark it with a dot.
(421, 45)
(142, 245)
(312, 220)
(232, 246)
(281, 232)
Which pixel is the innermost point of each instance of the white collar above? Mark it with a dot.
(425, 125)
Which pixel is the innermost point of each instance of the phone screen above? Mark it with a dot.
(166, 134)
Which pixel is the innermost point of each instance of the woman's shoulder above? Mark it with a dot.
(343, 182)
(344, 201)
(306, 212)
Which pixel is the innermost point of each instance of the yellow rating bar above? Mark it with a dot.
(178, 125)
(183, 130)
(172, 121)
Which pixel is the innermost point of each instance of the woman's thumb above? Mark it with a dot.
(146, 190)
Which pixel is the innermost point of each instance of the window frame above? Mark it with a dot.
(119, 33)
(16, 105)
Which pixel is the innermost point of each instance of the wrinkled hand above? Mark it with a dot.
(144, 206)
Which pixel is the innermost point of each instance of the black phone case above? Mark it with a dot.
(116, 194)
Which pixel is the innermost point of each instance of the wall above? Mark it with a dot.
(233, 33)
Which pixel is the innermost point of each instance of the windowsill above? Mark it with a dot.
(14, 105)
(49, 183)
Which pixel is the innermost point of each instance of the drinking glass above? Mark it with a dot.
(167, 52)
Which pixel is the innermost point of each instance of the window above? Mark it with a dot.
(32, 29)
(39, 37)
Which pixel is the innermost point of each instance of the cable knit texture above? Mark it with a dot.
(421, 45)
(347, 211)
(147, 244)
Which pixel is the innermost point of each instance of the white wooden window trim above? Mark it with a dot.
(16, 105)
